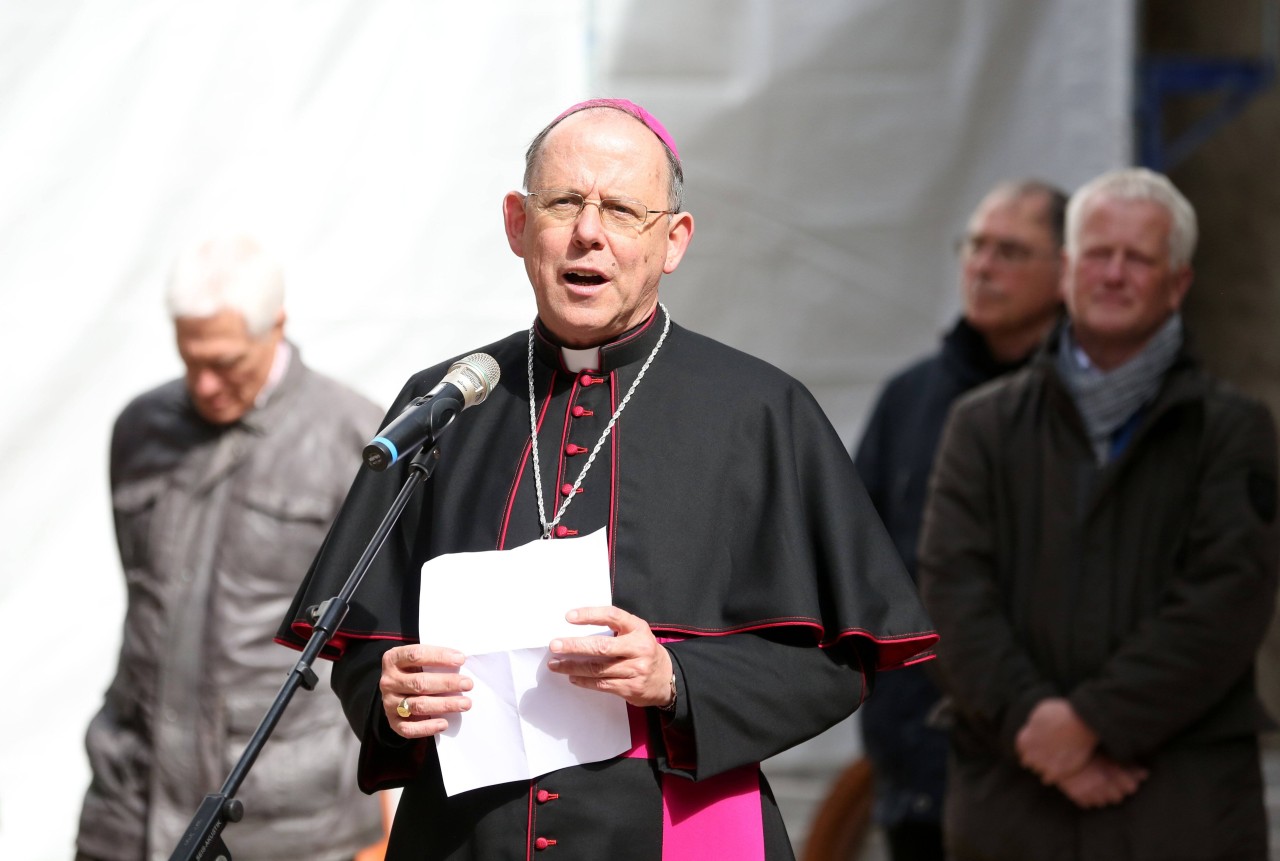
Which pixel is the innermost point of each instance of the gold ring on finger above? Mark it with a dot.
(403, 708)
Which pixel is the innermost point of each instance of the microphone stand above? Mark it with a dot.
(203, 838)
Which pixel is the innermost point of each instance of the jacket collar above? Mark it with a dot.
(967, 352)
(631, 347)
(260, 418)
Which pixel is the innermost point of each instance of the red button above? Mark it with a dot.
(566, 490)
(571, 449)
(542, 843)
(544, 796)
(588, 380)
(564, 531)
(580, 411)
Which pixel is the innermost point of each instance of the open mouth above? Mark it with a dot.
(584, 279)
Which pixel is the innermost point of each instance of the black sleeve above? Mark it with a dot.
(750, 697)
(386, 759)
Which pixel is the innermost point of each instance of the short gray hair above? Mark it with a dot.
(1139, 183)
(222, 273)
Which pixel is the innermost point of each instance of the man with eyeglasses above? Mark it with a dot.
(1100, 554)
(755, 592)
(1010, 267)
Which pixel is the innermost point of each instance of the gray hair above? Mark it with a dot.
(227, 273)
(675, 173)
(1139, 183)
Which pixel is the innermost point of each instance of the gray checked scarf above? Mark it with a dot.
(1107, 399)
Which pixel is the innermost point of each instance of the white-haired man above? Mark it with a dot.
(223, 485)
(1099, 555)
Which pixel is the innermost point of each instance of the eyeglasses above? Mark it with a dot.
(1006, 251)
(618, 213)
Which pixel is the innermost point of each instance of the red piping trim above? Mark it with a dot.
(653, 315)
(917, 647)
(524, 460)
(893, 652)
(862, 674)
(511, 495)
(921, 658)
(615, 447)
(528, 835)
(695, 631)
(928, 637)
(337, 645)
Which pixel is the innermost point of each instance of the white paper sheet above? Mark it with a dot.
(502, 609)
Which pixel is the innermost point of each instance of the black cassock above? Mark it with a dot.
(737, 527)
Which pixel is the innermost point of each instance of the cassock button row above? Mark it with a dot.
(579, 411)
(542, 843)
(543, 796)
(572, 448)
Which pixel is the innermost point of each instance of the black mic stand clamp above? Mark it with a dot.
(202, 841)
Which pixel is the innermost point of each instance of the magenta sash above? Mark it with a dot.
(720, 814)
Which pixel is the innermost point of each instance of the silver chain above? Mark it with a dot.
(533, 428)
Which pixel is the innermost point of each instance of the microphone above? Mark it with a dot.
(467, 383)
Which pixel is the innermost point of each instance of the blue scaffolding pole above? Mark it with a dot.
(1234, 81)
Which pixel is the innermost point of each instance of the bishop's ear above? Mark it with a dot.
(678, 236)
(513, 219)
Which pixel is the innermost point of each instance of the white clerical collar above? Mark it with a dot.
(279, 365)
(580, 360)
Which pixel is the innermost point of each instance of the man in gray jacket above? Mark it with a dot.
(1099, 555)
(223, 486)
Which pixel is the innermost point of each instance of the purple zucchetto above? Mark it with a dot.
(632, 108)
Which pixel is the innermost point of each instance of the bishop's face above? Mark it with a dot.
(592, 279)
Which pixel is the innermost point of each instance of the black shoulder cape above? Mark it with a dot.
(732, 504)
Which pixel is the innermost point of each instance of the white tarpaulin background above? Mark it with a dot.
(832, 152)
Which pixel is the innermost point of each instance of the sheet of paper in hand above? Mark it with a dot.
(502, 608)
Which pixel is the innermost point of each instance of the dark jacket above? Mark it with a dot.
(1140, 590)
(216, 526)
(894, 459)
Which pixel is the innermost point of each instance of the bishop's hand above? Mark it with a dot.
(420, 684)
(632, 664)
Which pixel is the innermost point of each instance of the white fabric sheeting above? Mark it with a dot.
(832, 152)
(835, 150)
